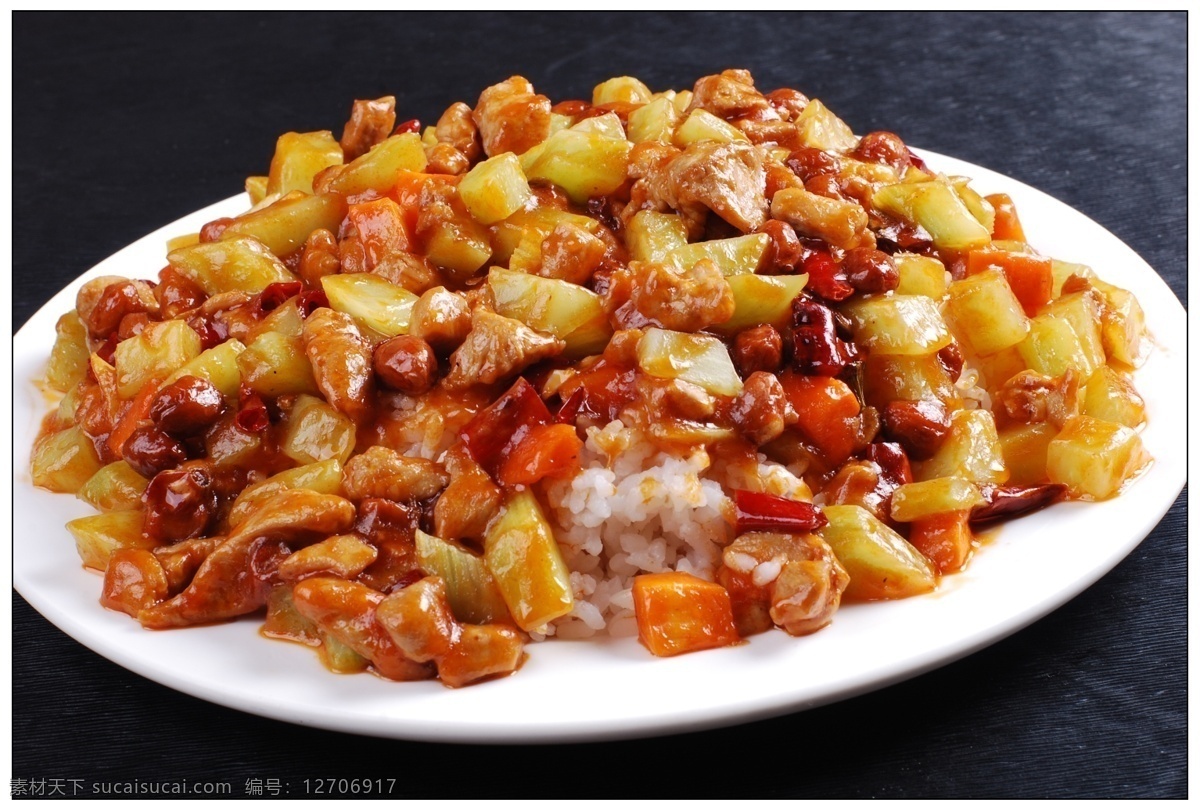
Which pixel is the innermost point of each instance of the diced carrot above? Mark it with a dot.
(828, 412)
(1008, 224)
(381, 228)
(139, 410)
(545, 450)
(679, 613)
(1029, 276)
(946, 539)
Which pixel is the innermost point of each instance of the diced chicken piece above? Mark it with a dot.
(342, 362)
(133, 581)
(237, 576)
(762, 411)
(420, 623)
(232, 581)
(780, 177)
(791, 580)
(181, 560)
(682, 399)
(347, 610)
(725, 178)
(436, 205)
(653, 294)
(571, 253)
(470, 501)
(457, 128)
(343, 555)
(1032, 397)
(728, 94)
(371, 121)
(511, 117)
(391, 528)
(442, 158)
(384, 473)
(408, 270)
(649, 156)
(496, 348)
(441, 318)
(781, 133)
(841, 223)
(298, 514)
(319, 257)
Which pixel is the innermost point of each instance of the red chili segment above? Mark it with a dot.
(893, 461)
(825, 277)
(253, 417)
(310, 301)
(492, 432)
(761, 512)
(816, 348)
(275, 294)
(1010, 502)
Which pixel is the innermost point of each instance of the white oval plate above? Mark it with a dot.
(571, 691)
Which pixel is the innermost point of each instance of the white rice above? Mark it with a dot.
(631, 510)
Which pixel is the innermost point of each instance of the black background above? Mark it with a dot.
(123, 123)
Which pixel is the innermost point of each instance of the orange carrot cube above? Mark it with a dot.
(1007, 224)
(1029, 276)
(946, 539)
(678, 613)
(828, 412)
(544, 451)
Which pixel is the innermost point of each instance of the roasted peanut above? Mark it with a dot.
(149, 450)
(919, 427)
(870, 271)
(406, 364)
(883, 147)
(187, 406)
(180, 504)
(808, 163)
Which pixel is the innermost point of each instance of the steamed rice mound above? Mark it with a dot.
(634, 509)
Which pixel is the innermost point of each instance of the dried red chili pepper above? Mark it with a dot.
(310, 301)
(816, 348)
(500, 426)
(916, 161)
(108, 349)
(761, 512)
(892, 460)
(411, 125)
(1003, 503)
(826, 278)
(252, 415)
(211, 231)
(273, 295)
(211, 332)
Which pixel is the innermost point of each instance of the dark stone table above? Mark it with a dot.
(123, 123)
